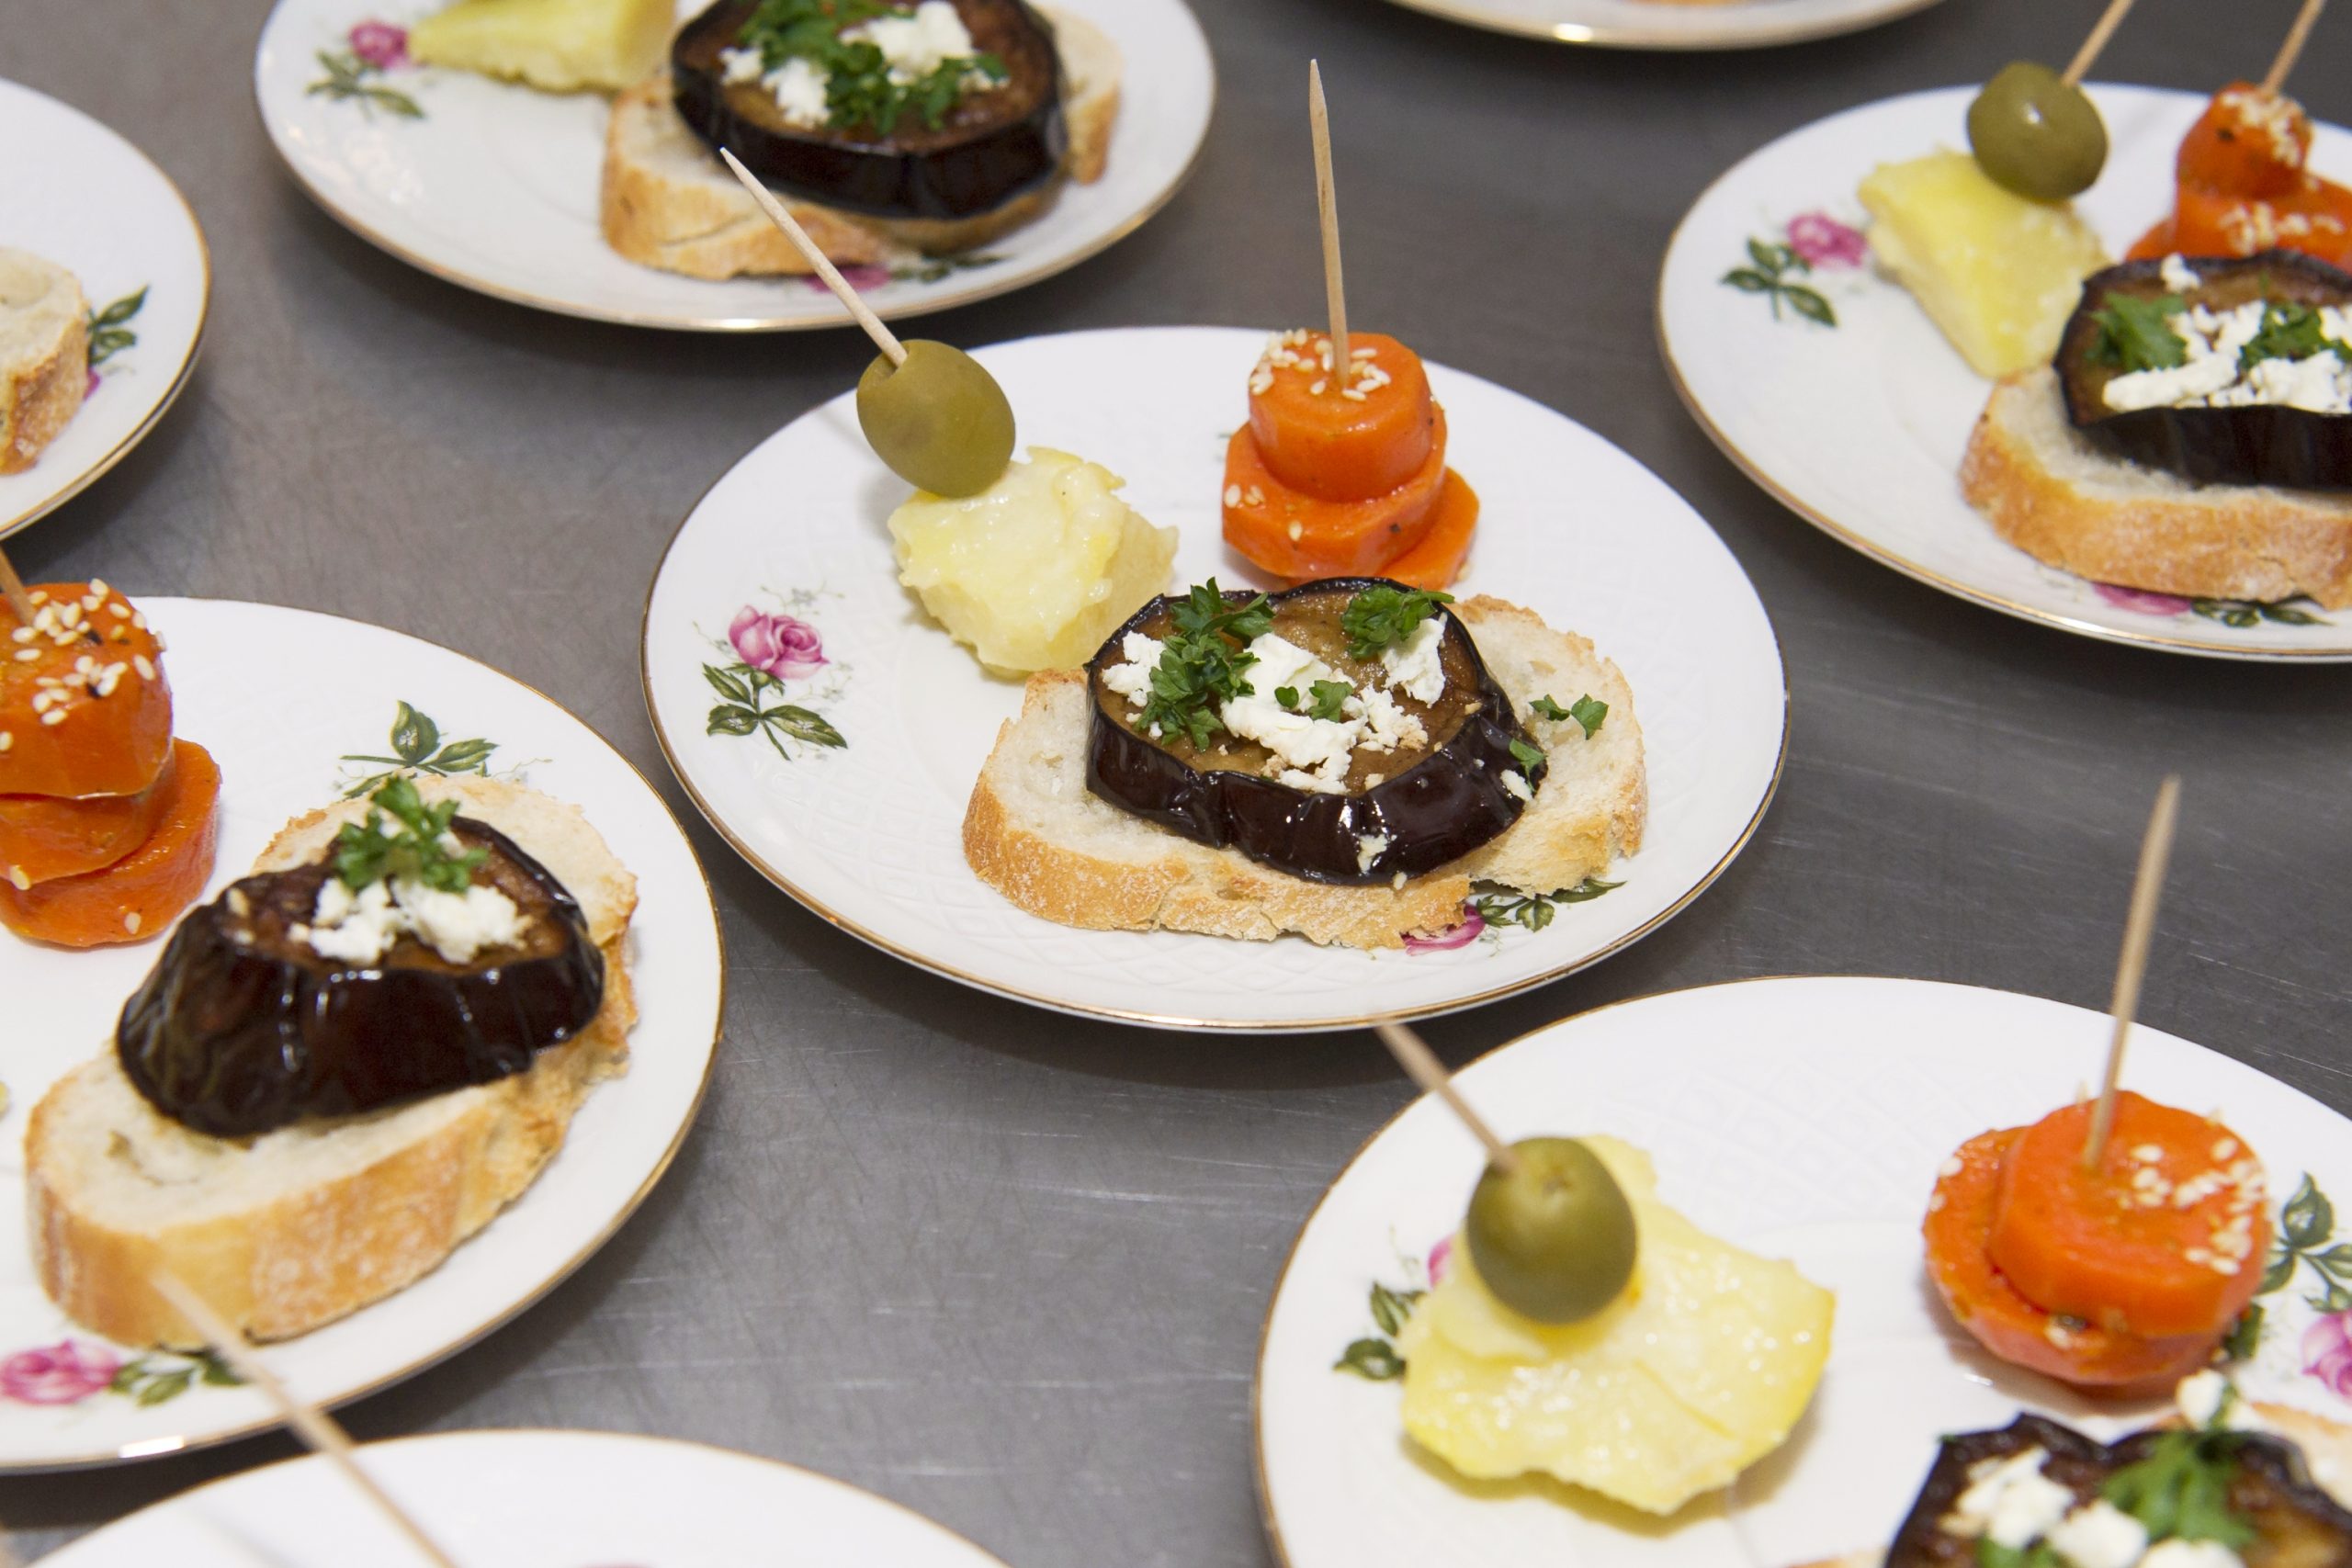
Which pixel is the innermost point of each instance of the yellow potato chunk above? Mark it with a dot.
(1036, 570)
(1997, 273)
(1697, 1371)
(562, 45)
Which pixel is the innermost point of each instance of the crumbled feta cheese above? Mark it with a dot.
(2100, 1535)
(2009, 1500)
(799, 89)
(740, 65)
(354, 928)
(917, 45)
(2177, 1554)
(1316, 752)
(1370, 847)
(1132, 679)
(360, 928)
(2200, 1396)
(1415, 666)
(2211, 377)
(1388, 725)
(2178, 276)
(1515, 782)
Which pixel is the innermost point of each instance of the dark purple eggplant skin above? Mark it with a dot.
(2270, 1489)
(234, 1038)
(916, 173)
(1432, 814)
(2290, 447)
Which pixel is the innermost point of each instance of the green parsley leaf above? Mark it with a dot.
(1588, 711)
(1991, 1553)
(1546, 708)
(858, 88)
(1329, 695)
(1382, 617)
(2136, 334)
(2180, 1491)
(373, 850)
(1202, 660)
(2289, 332)
(1528, 756)
(1287, 697)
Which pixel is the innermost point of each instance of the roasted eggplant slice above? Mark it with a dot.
(242, 1027)
(2269, 1490)
(988, 148)
(1401, 812)
(2259, 444)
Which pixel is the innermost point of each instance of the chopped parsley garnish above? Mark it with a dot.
(2289, 331)
(1202, 660)
(2136, 333)
(858, 89)
(1382, 617)
(1527, 756)
(1287, 697)
(1991, 1553)
(1586, 710)
(1328, 696)
(373, 850)
(2181, 1489)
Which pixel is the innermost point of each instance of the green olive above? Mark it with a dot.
(1553, 1240)
(2036, 135)
(939, 420)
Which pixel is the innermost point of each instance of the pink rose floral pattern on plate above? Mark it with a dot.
(1485, 914)
(370, 50)
(864, 277)
(74, 1370)
(771, 647)
(1374, 1355)
(2239, 613)
(1809, 243)
(110, 332)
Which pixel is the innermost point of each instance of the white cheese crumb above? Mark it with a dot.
(2009, 1500)
(918, 45)
(1416, 666)
(799, 89)
(2179, 1553)
(2178, 276)
(741, 65)
(360, 928)
(2100, 1535)
(2200, 1396)
(1515, 782)
(1132, 679)
(1370, 847)
(1316, 752)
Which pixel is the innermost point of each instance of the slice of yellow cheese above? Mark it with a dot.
(561, 45)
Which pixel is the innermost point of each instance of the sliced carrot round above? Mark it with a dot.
(2247, 142)
(89, 712)
(1983, 1301)
(1342, 438)
(141, 895)
(1293, 534)
(2165, 1236)
(44, 837)
(1437, 560)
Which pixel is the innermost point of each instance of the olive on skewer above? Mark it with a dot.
(937, 418)
(2036, 133)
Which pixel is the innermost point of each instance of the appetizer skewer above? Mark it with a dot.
(2036, 133)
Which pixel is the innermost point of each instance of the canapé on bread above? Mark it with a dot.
(44, 354)
(296, 1227)
(1034, 833)
(667, 202)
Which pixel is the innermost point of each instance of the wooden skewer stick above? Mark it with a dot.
(884, 338)
(2289, 51)
(1327, 209)
(20, 605)
(1421, 1064)
(2101, 31)
(312, 1425)
(2147, 889)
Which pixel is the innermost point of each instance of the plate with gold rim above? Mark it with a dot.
(1805, 1119)
(1858, 424)
(96, 206)
(1672, 24)
(529, 1499)
(494, 186)
(282, 731)
(853, 802)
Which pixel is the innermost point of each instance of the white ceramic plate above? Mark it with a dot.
(96, 206)
(868, 835)
(1666, 24)
(531, 1499)
(278, 697)
(1858, 428)
(494, 186)
(1805, 1119)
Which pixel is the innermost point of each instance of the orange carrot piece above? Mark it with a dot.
(1437, 560)
(140, 895)
(1296, 535)
(1331, 446)
(63, 737)
(44, 837)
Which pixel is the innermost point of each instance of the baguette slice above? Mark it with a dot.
(1034, 834)
(44, 354)
(302, 1224)
(667, 202)
(2062, 500)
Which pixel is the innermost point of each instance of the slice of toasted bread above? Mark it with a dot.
(2059, 499)
(300, 1225)
(44, 354)
(1034, 833)
(667, 202)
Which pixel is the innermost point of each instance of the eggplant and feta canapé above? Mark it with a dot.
(2222, 370)
(426, 951)
(1344, 731)
(2040, 1493)
(943, 109)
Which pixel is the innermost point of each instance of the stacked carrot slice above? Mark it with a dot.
(1341, 471)
(106, 823)
(2242, 186)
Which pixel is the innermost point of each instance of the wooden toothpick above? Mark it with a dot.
(2147, 889)
(1327, 209)
(2101, 31)
(884, 338)
(20, 605)
(312, 1425)
(1421, 1064)
(2289, 51)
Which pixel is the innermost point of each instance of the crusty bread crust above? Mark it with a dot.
(317, 1252)
(43, 381)
(1158, 880)
(666, 202)
(2050, 493)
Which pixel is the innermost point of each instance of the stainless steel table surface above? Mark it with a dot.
(1007, 1266)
